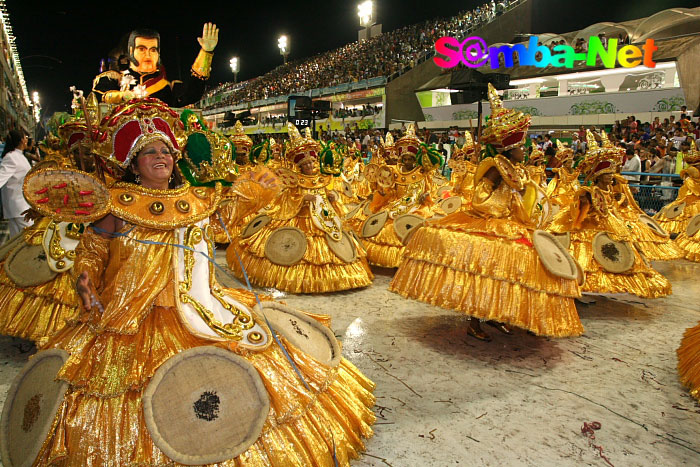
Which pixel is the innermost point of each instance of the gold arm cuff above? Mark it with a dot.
(202, 64)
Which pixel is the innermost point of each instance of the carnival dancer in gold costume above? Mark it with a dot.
(152, 302)
(682, 217)
(299, 245)
(37, 293)
(482, 261)
(650, 239)
(463, 163)
(599, 239)
(404, 189)
(564, 184)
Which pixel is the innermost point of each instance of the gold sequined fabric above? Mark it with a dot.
(563, 186)
(114, 354)
(320, 270)
(690, 246)
(35, 313)
(481, 262)
(689, 360)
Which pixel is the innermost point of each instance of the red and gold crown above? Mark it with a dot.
(300, 149)
(601, 159)
(132, 126)
(693, 156)
(241, 141)
(506, 128)
(408, 143)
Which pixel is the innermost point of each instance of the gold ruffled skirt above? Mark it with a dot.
(320, 270)
(690, 246)
(487, 269)
(384, 249)
(654, 247)
(35, 313)
(642, 280)
(678, 224)
(689, 360)
(101, 421)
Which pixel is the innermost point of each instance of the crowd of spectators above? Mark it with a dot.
(385, 55)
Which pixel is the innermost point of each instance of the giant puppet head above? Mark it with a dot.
(144, 50)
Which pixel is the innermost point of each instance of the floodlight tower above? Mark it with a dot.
(283, 44)
(235, 67)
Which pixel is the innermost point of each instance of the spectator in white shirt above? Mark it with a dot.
(633, 164)
(13, 168)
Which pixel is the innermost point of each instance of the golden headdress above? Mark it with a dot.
(506, 128)
(208, 156)
(408, 143)
(693, 156)
(300, 149)
(563, 154)
(241, 141)
(601, 159)
(536, 156)
(132, 126)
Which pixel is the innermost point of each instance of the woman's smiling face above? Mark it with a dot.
(154, 164)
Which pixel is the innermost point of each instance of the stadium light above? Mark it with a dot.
(365, 12)
(283, 44)
(234, 68)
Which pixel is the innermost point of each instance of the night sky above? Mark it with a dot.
(61, 43)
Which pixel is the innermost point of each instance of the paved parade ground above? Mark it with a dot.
(447, 399)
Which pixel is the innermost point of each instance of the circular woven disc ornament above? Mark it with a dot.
(303, 332)
(27, 266)
(255, 225)
(615, 256)
(373, 224)
(343, 249)
(10, 245)
(564, 239)
(405, 225)
(30, 408)
(67, 195)
(555, 258)
(693, 226)
(347, 190)
(286, 246)
(653, 225)
(451, 204)
(674, 210)
(205, 405)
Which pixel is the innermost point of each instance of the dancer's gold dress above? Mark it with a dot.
(562, 188)
(408, 194)
(114, 354)
(689, 360)
(480, 261)
(463, 180)
(689, 195)
(34, 313)
(594, 211)
(320, 270)
(653, 246)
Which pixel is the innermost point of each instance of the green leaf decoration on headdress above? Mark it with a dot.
(199, 165)
(331, 160)
(428, 156)
(260, 153)
(487, 150)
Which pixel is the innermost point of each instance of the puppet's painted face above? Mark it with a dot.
(147, 53)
